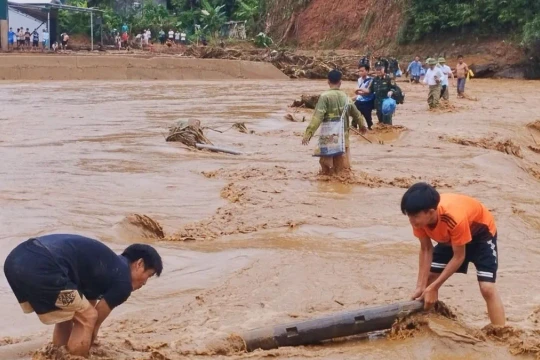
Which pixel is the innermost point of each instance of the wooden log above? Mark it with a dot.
(331, 326)
(219, 149)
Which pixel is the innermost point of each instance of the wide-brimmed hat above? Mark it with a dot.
(432, 61)
(442, 60)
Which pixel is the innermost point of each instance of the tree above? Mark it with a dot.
(213, 17)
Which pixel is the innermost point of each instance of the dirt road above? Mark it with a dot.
(274, 242)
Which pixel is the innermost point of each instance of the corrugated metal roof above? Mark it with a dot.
(35, 2)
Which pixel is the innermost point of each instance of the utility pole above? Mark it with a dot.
(3, 25)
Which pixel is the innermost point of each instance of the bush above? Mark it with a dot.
(479, 17)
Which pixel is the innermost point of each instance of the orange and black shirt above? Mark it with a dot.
(461, 219)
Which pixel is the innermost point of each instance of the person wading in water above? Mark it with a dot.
(334, 106)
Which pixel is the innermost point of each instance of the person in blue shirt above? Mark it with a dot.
(415, 70)
(11, 38)
(365, 100)
(75, 282)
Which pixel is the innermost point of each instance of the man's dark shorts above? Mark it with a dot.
(483, 254)
(41, 284)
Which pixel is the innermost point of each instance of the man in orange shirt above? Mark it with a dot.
(465, 232)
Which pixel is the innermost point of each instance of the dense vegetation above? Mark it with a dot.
(195, 17)
(515, 19)
(518, 19)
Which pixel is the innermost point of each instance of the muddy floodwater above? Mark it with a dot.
(259, 239)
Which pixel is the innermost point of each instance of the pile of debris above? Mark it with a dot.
(306, 101)
(293, 65)
(188, 132)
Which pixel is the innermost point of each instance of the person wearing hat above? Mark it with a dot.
(447, 72)
(382, 87)
(433, 79)
(333, 104)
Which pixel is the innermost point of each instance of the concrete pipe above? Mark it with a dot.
(332, 326)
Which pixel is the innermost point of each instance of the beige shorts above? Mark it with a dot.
(68, 303)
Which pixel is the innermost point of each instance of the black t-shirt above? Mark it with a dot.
(96, 270)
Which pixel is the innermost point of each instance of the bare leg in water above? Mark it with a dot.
(81, 335)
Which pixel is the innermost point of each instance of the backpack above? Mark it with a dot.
(398, 95)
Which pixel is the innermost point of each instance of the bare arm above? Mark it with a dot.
(425, 258)
(103, 311)
(452, 267)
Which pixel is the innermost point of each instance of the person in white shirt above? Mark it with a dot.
(177, 37)
(447, 72)
(171, 35)
(433, 79)
(148, 36)
(183, 38)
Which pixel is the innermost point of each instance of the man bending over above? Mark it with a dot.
(465, 231)
(74, 282)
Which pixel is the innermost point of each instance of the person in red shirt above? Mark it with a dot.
(465, 232)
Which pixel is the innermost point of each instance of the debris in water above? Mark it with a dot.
(535, 125)
(306, 101)
(241, 127)
(291, 117)
(188, 133)
(145, 225)
(505, 146)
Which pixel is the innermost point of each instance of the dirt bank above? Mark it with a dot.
(73, 67)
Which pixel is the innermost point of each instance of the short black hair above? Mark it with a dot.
(334, 76)
(150, 256)
(419, 197)
(459, 56)
(364, 66)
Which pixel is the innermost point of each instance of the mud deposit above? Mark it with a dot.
(260, 238)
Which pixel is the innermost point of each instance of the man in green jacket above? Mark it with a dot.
(331, 105)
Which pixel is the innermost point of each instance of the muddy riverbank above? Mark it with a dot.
(268, 240)
(110, 67)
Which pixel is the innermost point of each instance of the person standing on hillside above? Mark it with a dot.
(162, 37)
(11, 39)
(433, 79)
(27, 37)
(45, 39)
(365, 101)
(465, 232)
(74, 282)
(35, 40)
(415, 70)
(447, 72)
(382, 87)
(65, 40)
(333, 106)
(461, 73)
(20, 38)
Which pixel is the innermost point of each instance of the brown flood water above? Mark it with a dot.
(281, 243)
